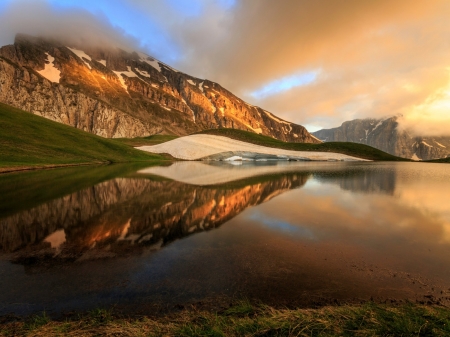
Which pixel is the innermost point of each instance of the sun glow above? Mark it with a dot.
(431, 117)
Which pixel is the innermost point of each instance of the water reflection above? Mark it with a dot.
(130, 211)
(290, 233)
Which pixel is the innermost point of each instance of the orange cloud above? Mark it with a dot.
(377, 58)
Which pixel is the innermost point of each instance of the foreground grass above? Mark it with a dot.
(29, 140)
(245, 319)
(351, 149)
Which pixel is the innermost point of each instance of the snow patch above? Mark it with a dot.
(82, 55)
(415, 158)
(150, 60)
(155, 85)
(212, 106)
(102, 62)
(193, 114)
(440, 144)
(426, 144)
(376, 126)
(275, 118)
(56, 239)
(195, 147)
(257, 130)
(50, 72)
(295, 135)
(128, 73)
(234, 158)
(143, 72)
(191, 82)
(201, 86)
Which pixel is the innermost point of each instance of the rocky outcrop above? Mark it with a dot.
(385, 135)
(22, 88)
(114, 93)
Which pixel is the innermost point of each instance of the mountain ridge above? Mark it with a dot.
(385, 135)
(114, 93)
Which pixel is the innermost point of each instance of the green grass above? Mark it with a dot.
(246, 319)
(351, 149)
(150, 140)
(29, 140)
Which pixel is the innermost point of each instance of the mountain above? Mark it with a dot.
(385, 135)
(116, 93)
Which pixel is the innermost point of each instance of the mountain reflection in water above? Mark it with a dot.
(130, 211)
(290, 233)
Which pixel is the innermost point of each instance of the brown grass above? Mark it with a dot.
(245, 319)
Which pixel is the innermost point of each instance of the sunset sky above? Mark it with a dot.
(314, 62)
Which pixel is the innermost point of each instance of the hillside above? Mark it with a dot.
(350, 149)
(385, 135)
(29, 140)
(119, 94)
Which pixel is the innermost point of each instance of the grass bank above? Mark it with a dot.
(30, 141)
(245, 319)
(351, 149)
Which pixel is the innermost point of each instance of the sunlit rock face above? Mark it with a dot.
(385, 135)
(126, 213)
(114, 93)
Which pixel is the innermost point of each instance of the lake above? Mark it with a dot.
(306, 234)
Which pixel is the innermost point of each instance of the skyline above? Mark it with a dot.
(313, 63)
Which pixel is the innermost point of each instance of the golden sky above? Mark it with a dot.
(371, 58)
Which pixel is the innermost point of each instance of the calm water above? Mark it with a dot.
(303, 234)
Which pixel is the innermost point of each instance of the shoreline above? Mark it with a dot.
(46, 167)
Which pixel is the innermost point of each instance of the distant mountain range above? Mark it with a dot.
(384, 134)
(115, 93)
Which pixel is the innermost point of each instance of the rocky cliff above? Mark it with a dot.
(385, 135)
(114, 93)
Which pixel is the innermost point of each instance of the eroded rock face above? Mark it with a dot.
(114, 93)
(384, 134)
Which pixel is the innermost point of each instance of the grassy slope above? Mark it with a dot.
(150, 140)
(247, 320)
(351, 149)
(29, 140)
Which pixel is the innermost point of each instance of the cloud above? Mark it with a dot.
(285, 83)
(377, 58)
(73, 26)
(431, 117)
